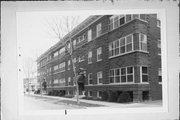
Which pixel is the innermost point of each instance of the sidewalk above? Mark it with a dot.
(105, 103)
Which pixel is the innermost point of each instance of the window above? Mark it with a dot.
(89, 35)
(159, 43)
(128, 18)
(55, 67)
(62, 51)
(90, 78)
(89, 57)
(116, 20)
(159, 46)
(122, 75)
(143, 17)
(130, 74)
(80, 39)
(99, 94)
(98, 30)
(55, 54)
(158, 23)
(111, 49)
(117, 75)
(74, 43)
(99, 77)
(56, 81)
(142, 42)
(136, 16)
(99, 52)
(69, 80)
(62, 66)
(90, 93)
(111, 76)
(111, 23)
(69, 64)
(129, 43)
(121, 20)
(160, 75)
(81, 58)
(121, 46)
(62, 82)
(144, 74)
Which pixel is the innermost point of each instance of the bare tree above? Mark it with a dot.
(28, 69)
(58, 29)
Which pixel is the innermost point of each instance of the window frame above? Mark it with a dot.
(90, 74)
(120, 75)
(89, 35)
(113, 47)
(140, 43)
(98, 94)
(99, 53)
(89, 57)
(160, 74)
(98, 29)
(99, 76)
(141, 74)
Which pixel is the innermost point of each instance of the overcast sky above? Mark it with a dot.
(33, 33)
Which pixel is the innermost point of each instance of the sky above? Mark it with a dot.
(34, 35)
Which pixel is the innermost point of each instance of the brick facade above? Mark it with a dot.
(135, 60)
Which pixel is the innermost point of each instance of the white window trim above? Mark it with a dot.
(141, 75)
(98, 30)
(99, 73)
(98, 94)
(89, 79)
(121, 46)
(159, 75)
(158, 25)
(112, 17)
(89, 62)
(89, 35)
(69, 81)
(120, 76)
(89, 94)
(140, 49)
(99, 53)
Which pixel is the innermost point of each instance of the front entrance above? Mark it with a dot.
(81, 88)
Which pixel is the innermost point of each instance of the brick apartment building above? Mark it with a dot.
(117, 52)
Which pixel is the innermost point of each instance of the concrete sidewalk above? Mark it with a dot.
(107, 104)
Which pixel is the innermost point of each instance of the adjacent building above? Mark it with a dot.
(118, 53)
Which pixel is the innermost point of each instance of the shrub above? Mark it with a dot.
(113, 96)
(104, 96)
(124, 97)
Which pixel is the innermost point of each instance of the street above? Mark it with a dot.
(40, 103)
(37, 102)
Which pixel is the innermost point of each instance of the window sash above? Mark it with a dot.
(99, 52)
(90, 57)
(121, 75)
(142, 42)
(90, 78)
(159, 75)
(144, 74)
(89, 35)
(99, 77)
(98, 30)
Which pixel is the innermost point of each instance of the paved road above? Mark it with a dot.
(38, 103)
